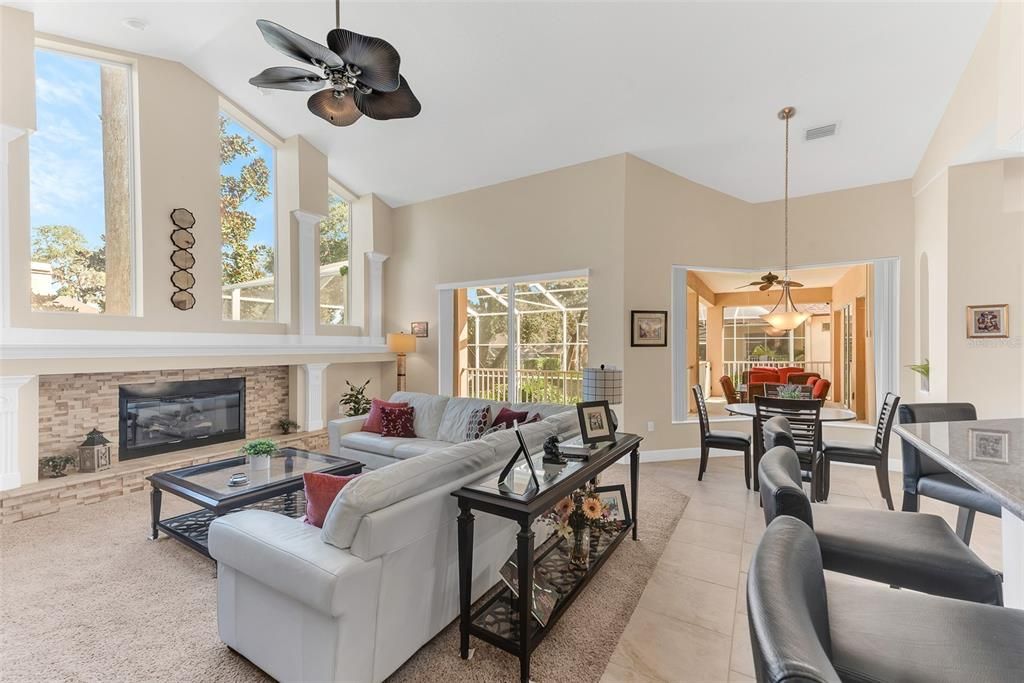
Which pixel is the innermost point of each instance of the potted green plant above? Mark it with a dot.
(287, 426)
(791, 391)
(56, 465)
(923, 369)
(355, 401)
(259, 452)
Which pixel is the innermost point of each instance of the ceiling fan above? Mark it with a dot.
(769, 280)
(360, 74)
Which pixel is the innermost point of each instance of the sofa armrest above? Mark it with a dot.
(289, 556)
(341, 426)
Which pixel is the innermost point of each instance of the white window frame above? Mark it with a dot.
(135, 307)
(885, 314)
(349, 198)
(282, 309)
(446, 322)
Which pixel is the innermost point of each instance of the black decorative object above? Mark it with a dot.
(525, 452)
(182, 259)
(596, 422)
(94, 453)
(551, 454)
(361, 72)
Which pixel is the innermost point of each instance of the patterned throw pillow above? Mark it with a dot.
(477, 423)
(397, 422)
(372, 423)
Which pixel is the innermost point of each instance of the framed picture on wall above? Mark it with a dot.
(988, 322)
(419, 329)
(648, 328)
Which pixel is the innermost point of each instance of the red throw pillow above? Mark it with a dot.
(321, 490)
(397, 422)
(506, 417)
(372, 423)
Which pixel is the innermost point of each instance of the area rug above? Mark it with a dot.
(85, 596)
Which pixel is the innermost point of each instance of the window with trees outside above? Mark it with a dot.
(335, 233)
(81, 188)
(248, 224)
(749, 341)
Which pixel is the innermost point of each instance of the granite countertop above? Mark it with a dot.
(988, 454)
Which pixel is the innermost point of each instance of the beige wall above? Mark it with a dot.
(334, 384)
(567, 219)
(17, 30)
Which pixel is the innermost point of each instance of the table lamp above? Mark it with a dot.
(603, 384)
(401, 343)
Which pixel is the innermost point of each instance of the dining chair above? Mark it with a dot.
(875, 455)
(784, 373)
(722, 439)
(820, 389)
(922, 476)
(920, 552)
(809, 628)
(729, 389)
(755, 390)
(801, 377)
(803, 418)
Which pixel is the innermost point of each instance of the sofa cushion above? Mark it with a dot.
(479, 421)
(373, 418)
(414, 447)
(397, 422)
(544, 409)
(565, 423)
(507, 417)
(380, 488)
(456, 417)
(505, 443)
(373, 443)
(429, 409)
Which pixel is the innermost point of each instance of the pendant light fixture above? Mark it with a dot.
(789, 317)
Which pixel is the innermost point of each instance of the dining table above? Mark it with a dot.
(988, 455)
(750, 410)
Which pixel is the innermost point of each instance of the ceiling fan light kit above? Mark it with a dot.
(789, 318)
(360, 72)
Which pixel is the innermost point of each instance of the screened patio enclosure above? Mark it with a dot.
(522, 341)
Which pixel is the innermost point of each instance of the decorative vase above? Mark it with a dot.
(579, 548)
(260, 462)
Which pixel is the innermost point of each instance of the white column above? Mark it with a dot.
(375, 303)
(309, 271)
(886, 329)
(7, 135)
(10, 475)
(446, 342)
(1013, 559)
(313, 396)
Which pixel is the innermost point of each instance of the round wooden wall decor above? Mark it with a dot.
(182, 259)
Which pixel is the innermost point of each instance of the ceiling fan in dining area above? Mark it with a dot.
(769, 280)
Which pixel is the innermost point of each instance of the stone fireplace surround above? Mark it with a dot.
(71, 405)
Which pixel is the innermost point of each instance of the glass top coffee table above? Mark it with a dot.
(277, 488)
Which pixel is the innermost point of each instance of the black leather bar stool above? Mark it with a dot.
(915, 551)
(726, 440)
(922, 476)
(877, 454)
(801, 631)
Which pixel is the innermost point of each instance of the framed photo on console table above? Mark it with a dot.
(648, 328)
(613, 499)
(595, 422)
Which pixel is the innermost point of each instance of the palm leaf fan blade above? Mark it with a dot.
(297, 47)
(400, 104)
(378, 61)
(287, 78)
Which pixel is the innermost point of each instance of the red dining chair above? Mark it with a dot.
(820, 390)
(760, 377)
(731, 396)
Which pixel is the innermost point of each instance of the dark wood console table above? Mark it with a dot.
(501, 619)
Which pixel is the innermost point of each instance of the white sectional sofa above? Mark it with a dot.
(354, 600)
(439, 421)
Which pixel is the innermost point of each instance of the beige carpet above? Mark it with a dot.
(85, 596)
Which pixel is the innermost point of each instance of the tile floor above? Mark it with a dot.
(691, 624)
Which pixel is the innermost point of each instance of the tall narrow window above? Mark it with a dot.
(80, 173)
(248, 224)
(335, 234)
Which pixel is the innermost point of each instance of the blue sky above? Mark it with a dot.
(66, 170)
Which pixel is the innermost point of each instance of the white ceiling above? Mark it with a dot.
(512, 89)
(729, 281)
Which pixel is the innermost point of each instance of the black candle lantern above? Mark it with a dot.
(94, 452)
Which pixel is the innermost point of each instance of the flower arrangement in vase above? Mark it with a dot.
(574, 517)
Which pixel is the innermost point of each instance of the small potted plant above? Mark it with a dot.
(287, 426)
(259, 452)
(791, 391)
(354, 401)
(56, 465)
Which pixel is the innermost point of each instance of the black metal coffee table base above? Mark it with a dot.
(193, 528)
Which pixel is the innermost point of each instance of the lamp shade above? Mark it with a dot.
(601, 384)
(400, 342)
(786, 320)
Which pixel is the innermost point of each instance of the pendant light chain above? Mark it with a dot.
(337, 13)
(785, 201)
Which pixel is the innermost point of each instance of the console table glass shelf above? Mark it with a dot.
(496, 619)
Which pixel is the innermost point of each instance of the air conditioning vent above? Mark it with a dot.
(820, 132)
